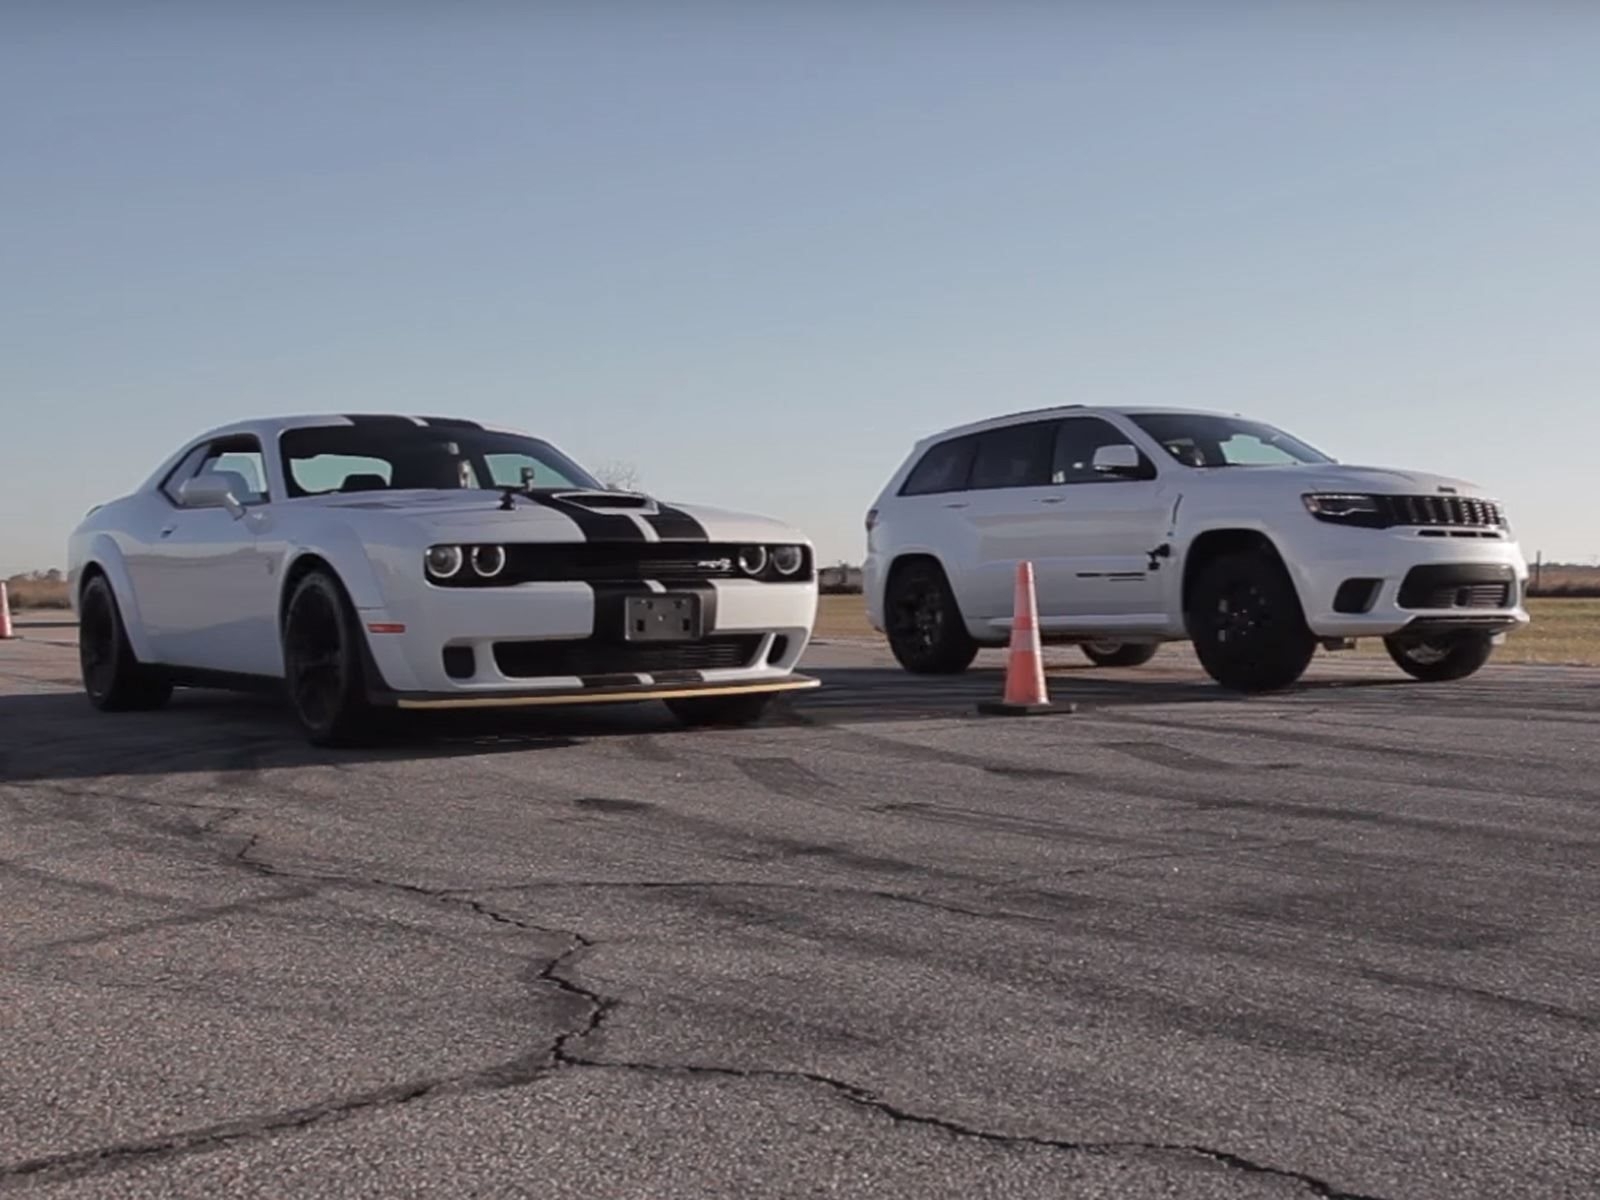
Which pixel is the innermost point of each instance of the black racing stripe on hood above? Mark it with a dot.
(675, 525)
(595, 526)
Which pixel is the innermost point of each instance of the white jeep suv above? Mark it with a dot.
(1146, 526)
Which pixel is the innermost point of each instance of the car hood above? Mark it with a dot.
(1342, 477)
(550, 516)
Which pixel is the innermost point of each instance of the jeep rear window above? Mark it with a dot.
(1201, 440)
(944, 468)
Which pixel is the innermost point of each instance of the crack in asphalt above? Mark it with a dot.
(562, 1054)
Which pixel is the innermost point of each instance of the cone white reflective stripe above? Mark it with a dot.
(5, 612)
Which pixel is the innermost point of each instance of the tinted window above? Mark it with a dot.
(240, 456)
(1079, 438)
(1015, 456)
(943, 468)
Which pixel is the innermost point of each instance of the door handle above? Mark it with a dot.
(1053, 500)
(169, 530)
(957, 504)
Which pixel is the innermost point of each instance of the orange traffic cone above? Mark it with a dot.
(1025, 691)
(5, 613)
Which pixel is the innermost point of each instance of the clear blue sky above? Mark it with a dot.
(757, 249)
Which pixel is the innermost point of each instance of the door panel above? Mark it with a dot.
(215, 593)
(1104, 534)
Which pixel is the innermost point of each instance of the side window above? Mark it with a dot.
(1076, 443)
(1015, 456)
(944, 468)
(241, 455)
(188, 467)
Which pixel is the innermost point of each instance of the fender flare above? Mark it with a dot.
(347, 556)
(105, 556)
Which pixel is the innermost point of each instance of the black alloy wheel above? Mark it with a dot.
(322, 664)
(115, 680)
(1441, 659)
(1246, 623)
(926, 632)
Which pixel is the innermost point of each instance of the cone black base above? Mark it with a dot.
(998, 708)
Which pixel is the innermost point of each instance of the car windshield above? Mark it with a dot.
(380, 454)
(1200, 440)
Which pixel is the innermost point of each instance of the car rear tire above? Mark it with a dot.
(1247, 625)
(113, 677)
(926, 631)
(1442, 659)
(322, 664)
(1118, 654)
(720, 711)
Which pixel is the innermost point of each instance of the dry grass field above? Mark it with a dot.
(37, 593)
(1563, 631)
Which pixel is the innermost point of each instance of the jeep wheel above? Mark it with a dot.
(1246, 623)
(1118, 654)
(1441, 659)
(115, 680)
(322, 664)
(926, 632)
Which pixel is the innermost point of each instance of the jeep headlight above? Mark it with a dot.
(1346, 509)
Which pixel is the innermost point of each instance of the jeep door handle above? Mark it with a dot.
(1053, 500)
(957, 504)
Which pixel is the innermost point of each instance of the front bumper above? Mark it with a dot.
(1388, 560)
(408, 640)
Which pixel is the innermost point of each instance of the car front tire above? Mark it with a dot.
(1118, 654)
(720, 711)
(1247, 625)
(927, 634)
(115, 680)
(322, 664)
(1441, 660)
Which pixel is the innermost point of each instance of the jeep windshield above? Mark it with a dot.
(1200, 440)
(372, 457)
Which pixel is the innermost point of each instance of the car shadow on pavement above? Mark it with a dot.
(56, 735)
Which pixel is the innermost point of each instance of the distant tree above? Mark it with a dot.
(618, 476)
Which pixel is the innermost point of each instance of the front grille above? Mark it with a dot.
(530, 660)
(1458, 586)
(624, 562)
(1449, 511)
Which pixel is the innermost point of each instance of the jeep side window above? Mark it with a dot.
(1076, 443)
(1014, 456)
(944, 468)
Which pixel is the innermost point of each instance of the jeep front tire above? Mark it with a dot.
(1246, 623)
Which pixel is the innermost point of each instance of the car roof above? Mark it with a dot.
(268, 428)
(1065, 410)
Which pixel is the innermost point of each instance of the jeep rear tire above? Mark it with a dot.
(1441, 659)
(926, 631)
(1118, 654)
(1246, 623)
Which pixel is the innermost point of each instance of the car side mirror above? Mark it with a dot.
(1118, 460)
(215, 489)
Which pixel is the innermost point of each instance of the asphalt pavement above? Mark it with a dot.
(1341, 943)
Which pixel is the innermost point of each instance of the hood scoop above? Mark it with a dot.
(625, 500)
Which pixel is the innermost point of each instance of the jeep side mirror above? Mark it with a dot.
(1118, 460)
(215, 489)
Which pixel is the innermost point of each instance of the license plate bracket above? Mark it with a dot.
(663, 617)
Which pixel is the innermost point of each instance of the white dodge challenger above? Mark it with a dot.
(370, 562)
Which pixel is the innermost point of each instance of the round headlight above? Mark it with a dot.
(788, 559)
(488, 561)
(753, 559)
(444, 561)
